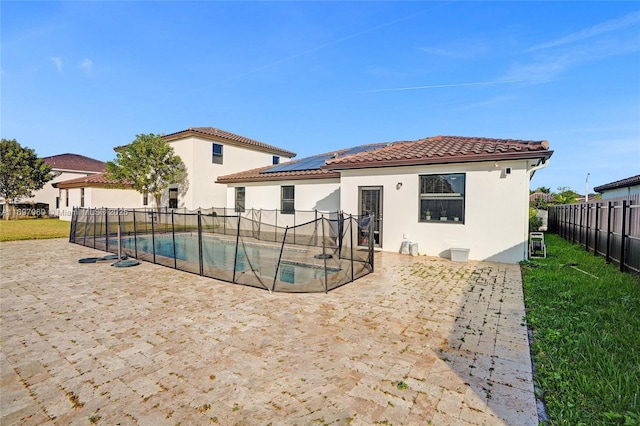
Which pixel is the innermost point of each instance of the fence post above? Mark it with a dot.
(581, 227)
(200, 243)
(608, 251)
(153, 236)
(315, 226)
(106, 230)
(135, 234)
(596, 229)
(622, 235)
(326, 278)
(371, 239)
(586, 241)
(351, 237)
(235, 258)
(72, 228)
(173, 234)
(275, 277)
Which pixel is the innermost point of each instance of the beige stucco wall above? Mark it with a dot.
(48, 193)
(312, 194)
(496, 209)
(201, 189)
(100, 197)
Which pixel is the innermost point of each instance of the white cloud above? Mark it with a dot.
(466, 49)
(57, 61)
(596, 30)
(441, 86)
(86, 65)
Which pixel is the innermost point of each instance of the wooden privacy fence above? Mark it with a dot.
(609, 228)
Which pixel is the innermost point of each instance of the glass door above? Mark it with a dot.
(370, 203)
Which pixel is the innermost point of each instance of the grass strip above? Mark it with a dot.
(33, 229)
(585, 318)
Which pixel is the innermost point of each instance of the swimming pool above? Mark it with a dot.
(219, 253)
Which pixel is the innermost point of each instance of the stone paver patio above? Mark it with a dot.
(420, 341)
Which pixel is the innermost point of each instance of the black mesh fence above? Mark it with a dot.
(304, 251)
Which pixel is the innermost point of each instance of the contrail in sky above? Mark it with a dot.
(440, 86)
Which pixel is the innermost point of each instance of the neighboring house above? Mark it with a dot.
(441, 192)
(626, 188)
(96, 191)
(540, 197)
(63, 167)
(207, 153)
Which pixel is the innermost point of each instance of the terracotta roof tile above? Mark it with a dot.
(232, 137)
(442, 149)
(435, 150)
(259, 175)
(75, 162)
(97, 180)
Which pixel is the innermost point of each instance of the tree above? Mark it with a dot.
(148, 164)
(565, 196)
(21, 173)
(543, 189)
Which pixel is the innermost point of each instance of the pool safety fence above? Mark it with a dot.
(301, 251)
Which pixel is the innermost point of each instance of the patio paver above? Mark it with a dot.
(420, 340)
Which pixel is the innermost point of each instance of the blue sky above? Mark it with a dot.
(83, 77)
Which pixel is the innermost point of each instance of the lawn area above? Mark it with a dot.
(33, 229)
(585, 318)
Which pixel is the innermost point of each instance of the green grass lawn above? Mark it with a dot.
(586, 336)
(32, 229)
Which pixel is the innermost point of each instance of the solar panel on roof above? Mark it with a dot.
(317, 161)
(311, 163)
(364, 148)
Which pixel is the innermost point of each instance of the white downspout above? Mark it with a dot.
(541, 165)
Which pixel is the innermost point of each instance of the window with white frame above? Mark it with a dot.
(276, 159)
(240, 194)
(145, 199)
(81, 197)
(287, 199)
(66, 198)
(442, 198)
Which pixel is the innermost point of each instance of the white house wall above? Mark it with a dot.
(496, 209)
(48, 193)
(201, 189)
(100, 197)
(312, 194)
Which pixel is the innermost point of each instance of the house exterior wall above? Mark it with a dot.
(201, 189)
(48, 193)
(310, 194)
(621, 192)
(97, 197)
(496, 209)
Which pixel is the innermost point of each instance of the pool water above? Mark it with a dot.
(221, 254)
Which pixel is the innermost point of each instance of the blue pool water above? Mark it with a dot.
(220, 254)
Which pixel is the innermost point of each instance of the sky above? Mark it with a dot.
(311, 77)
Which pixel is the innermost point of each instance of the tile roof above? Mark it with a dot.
(260, 175)
(98, 180)
(622, 183)
(212, 132)
(75, 162)
(442, 149)
(435, 150)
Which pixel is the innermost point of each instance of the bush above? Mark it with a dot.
(535, 222)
